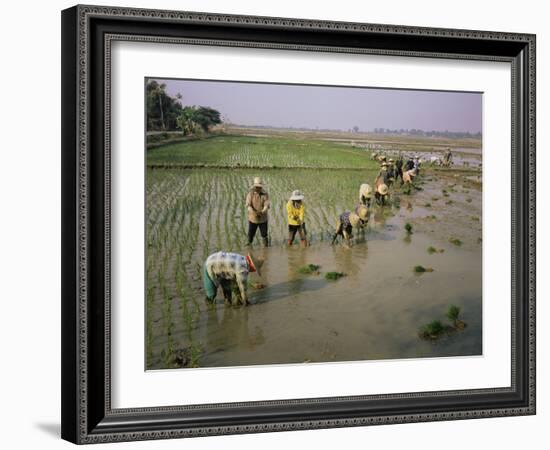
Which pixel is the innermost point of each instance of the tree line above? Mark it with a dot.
(433, 133)
(166, 113)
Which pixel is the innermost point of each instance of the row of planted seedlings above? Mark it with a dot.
(192, 213)
(172, 233)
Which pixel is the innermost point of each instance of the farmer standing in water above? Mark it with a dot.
(296, 221)
(257, 204)
(229, 270)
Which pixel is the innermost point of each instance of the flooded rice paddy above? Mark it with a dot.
(374, 312)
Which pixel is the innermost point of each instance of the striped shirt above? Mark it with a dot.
(228, 266)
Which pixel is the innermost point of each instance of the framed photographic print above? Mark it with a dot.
(267, 221)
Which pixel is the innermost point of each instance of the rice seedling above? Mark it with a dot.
(427, 205)
(432, 250)
(422, 269)
(453, 314)
(469, 200)
(455, 241)
(309, 269)
(334, 275)
(408, 228)
(432, 330)
(449, 202)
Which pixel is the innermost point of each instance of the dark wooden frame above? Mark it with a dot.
(87, 31)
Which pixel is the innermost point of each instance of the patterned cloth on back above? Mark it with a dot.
(228, 266)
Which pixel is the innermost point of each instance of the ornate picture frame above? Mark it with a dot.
(87, 35)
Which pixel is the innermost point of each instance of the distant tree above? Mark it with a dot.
(193, 119)
(356, 129)
(162, 109)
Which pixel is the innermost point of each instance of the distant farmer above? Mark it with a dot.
(345, 224)
(364, 215)
(399, 168)
(408, 176)
(257, 204)
(230, 271)
(390, 174)
(365, 194)
(416, 165)
(447, 158)
(296, 218)
(381, 193)
(381, 190)
(409, 165)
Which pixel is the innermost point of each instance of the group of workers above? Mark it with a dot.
(230, 270)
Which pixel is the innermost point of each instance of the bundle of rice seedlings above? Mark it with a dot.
(309, 269)
(334, 275)
(432, 330)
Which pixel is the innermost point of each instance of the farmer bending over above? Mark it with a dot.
(345, 224)
(296, 211)
(227, 270)
(365, 194)
(257, 203)
(399, 168)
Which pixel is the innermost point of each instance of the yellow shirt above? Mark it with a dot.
(295, 215)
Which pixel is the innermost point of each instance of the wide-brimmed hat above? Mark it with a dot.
(382, 189)
(363, 212)
(384, 164)
(257, 182)
(297, 195)
(391, 160)
(354, 220)
(365, 190)
(257, 263)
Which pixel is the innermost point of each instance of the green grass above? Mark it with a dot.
(268, 152)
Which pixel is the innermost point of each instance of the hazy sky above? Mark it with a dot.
(343, 108)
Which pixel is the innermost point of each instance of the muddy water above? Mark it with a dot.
(374, 312)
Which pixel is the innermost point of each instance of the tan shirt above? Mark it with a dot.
(257, 204)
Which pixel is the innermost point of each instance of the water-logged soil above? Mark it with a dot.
(374, 312)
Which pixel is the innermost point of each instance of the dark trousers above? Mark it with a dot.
(293, 229)
(252, 227)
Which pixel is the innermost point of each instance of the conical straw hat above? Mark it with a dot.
(354, 220)
(382, 189)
